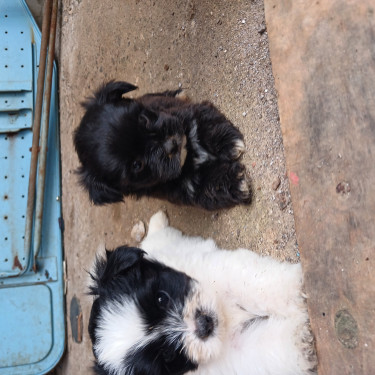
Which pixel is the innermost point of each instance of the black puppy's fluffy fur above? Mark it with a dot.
(161, 146)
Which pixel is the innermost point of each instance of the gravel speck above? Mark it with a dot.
(138, 231)
(276, 183)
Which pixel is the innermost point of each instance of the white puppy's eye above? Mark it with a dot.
(163, 299)
(137, 165)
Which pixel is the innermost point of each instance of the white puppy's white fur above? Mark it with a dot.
(263, 321)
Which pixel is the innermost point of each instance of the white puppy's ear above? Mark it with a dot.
(158, 222)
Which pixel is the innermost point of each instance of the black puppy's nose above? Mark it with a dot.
(204, 325)
(171, 145)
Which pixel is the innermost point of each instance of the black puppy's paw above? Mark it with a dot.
(239, 187)
(225, 185)
(237, 149)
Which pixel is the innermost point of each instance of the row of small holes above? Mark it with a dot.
(6, 197)
(6, 49)
(6, 32)
(6, 217)
(6, 138)
(6, 238)
(6, 259)
(22, 66)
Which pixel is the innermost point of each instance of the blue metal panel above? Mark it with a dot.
(13, 121)
(32, 324)
(16, 49)
(16, 304)
(16, 100)
(14, 175)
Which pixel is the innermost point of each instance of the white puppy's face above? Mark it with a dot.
(150, 317)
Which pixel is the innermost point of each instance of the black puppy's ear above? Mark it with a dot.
(99, 192)
(113, 91)
(123, 257)
(115, 264)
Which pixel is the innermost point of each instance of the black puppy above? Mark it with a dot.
(159, 145)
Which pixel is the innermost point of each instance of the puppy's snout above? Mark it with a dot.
(205, 325)
(172, 145)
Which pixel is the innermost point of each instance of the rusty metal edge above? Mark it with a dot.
(36, 124)
(44, 135)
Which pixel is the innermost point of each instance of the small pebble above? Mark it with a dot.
(282, 201)
(138, 231)
(215, 216)
(276, 183)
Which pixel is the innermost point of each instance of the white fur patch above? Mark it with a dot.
(203, 155)
(119, 329)
(183, 152)
(262, 316)
(243, 186)
(158, 221)
(199, 350)
(189, 188)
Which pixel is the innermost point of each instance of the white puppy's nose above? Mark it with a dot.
(205, 325)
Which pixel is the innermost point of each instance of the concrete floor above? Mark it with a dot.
(216, 50)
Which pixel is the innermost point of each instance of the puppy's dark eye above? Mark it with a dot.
(162, 299)
(137, 165)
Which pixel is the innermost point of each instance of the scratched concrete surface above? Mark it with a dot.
(218, 51)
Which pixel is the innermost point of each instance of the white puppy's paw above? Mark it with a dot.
(158, 221)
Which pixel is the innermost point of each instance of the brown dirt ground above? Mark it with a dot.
(218, 51)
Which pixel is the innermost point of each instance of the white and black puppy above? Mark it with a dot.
(159, 145)
(186, 306)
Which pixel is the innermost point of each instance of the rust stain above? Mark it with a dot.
(11, 134)
(31, 149)
(17, 263)
(79, 327)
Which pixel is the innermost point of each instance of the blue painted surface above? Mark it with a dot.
(32, 324)
(14, 177)
(16, 49)
(18, 313)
